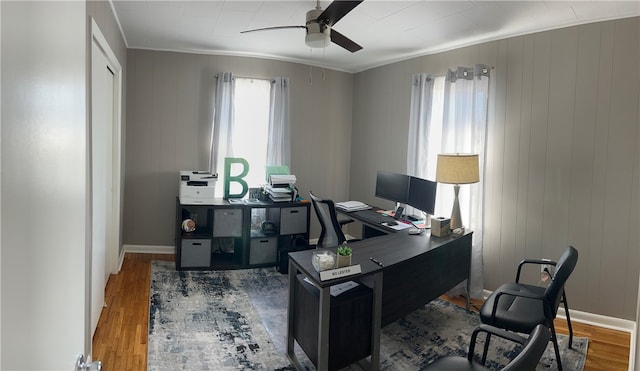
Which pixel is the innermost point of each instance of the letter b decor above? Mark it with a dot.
(228, 162)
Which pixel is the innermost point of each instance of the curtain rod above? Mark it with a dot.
(250, 78)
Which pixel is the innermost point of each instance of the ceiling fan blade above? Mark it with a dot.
(272, 28)
(336, 10)
(343, 41)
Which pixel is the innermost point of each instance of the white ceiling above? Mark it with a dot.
(389, 31)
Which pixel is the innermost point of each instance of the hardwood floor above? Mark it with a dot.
(120, 341)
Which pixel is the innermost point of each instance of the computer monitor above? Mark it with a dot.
(392, 186)
(422, 194)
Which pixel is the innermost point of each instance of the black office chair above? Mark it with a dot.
(532, 349)
(331, 234)
(520, 307)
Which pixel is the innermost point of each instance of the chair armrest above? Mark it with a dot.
(342, 222)
(532, 261)
(492, 331)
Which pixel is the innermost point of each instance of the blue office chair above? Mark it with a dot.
(331, 234)
(526, 360)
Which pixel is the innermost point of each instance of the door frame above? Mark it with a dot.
(114, 232)
(113, 229)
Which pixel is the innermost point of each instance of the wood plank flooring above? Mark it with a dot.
(120, 341)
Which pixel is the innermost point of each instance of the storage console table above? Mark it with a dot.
(231, 236)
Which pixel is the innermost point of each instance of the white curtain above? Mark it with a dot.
(223, 118)
(279, 143)
(449, 115)
(420, 125)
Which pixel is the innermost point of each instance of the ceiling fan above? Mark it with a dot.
(319, 26)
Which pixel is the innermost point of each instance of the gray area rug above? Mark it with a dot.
(236, 320)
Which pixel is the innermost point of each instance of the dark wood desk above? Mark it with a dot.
(416, 269)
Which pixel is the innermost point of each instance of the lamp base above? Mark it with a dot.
(456, 219)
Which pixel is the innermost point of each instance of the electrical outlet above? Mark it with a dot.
(546, 271)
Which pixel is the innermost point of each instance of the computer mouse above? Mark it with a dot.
(392, 222)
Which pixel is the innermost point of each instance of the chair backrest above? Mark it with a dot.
(534, 347)
(331, 234)
(564, 268)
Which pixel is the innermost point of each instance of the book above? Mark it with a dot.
(352, 206)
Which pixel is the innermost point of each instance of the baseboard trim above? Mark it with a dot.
(149, 249)
(121, 259)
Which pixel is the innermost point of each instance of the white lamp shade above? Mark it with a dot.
(457, 169)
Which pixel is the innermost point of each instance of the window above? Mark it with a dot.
(449, 115)
(251, 127)
(251, 121)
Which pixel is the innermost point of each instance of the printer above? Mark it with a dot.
(197, 187)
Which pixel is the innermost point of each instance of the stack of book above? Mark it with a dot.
(349, 206)
(281, 188)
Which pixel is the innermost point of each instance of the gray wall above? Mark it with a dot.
(169, 117)
(563, 152)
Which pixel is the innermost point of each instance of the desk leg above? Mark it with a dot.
(376, 318)
(467, 287)
(323, 329)
(293, 271)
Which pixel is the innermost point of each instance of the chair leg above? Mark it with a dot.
(486, 349)
(566, 310)
(554, 338)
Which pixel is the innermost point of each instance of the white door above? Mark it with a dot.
(101, 170)
(44, 301)
(105, 168)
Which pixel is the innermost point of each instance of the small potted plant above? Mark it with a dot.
(344, 255)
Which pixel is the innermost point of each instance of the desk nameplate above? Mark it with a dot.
(340, 272)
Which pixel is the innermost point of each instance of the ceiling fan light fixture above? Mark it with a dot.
(318, 34)
(317, 40)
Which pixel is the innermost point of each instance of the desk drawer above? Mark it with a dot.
(349, 326)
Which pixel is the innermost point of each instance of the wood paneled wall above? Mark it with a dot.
(562, 152)
(170, 108)
(562, 161)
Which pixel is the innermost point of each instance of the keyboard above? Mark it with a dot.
(373, 217)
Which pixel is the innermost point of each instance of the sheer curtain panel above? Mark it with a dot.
(420, 125)
(279, 142)
(223, 118)
(452, 118)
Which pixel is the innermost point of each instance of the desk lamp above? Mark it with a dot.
(457, 169)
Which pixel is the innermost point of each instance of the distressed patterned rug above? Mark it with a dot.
(236, 320)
